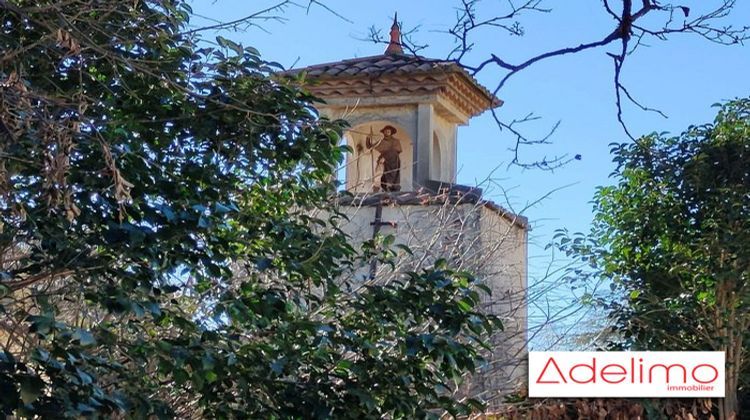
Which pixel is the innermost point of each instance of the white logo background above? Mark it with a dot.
(656, 374)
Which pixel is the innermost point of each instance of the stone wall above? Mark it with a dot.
(476, 237)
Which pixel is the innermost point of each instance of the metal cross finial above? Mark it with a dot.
(394, 47)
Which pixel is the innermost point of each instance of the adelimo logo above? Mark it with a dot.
(626, 374)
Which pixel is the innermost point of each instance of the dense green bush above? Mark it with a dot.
(672, 238)
(158, 253)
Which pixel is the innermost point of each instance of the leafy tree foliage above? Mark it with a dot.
(159, 253)
(673, 236)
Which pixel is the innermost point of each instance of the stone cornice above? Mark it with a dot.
(429, 198)
(456, 94)
(453, 87)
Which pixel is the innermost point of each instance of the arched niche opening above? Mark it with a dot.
(364, 167)
(436, 163)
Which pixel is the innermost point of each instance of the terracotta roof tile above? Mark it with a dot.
(378, 65)
(387, 64)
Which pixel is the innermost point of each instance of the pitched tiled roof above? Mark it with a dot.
(388, 65)
(377, 65)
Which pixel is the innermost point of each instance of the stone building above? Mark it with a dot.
(404, 111)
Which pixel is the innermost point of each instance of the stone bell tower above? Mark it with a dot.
(423, 100)
(404, 111)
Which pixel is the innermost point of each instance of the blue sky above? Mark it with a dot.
(682, 77)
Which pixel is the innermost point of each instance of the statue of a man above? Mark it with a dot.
(390, 149)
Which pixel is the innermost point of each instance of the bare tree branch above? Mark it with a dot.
(634, 25)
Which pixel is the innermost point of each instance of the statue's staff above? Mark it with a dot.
(370, 146)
